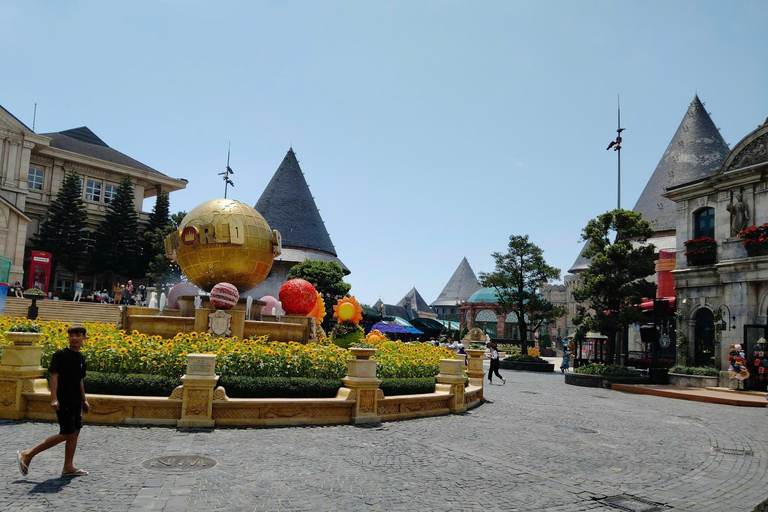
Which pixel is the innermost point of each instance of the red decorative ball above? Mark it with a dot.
(180, 290)
(224, 296)
(298, 297)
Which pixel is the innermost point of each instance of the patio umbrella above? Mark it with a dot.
(390, 328)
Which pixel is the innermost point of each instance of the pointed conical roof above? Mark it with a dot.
(288, 206)
(413, 300)
(581, 264)
(462, 284)
(696, 150)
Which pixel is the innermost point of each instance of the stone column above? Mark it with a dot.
(198, 385)
(361, 378)
(475, 367)
(19, 367)
(451, 380)
(500, 317)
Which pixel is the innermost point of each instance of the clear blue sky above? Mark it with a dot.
(428, 131)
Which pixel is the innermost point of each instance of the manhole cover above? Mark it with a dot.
(632, 504)
(178, 463)
(575, 430)
(732, 451)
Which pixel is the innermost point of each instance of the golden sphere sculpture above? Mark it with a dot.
(223, 240)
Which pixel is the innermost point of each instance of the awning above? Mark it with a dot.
(395, 328)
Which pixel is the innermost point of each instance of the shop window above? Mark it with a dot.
(93, 190)
(704, 223)
(35, 178)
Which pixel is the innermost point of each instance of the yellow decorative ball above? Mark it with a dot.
(346, 312)
(223, 240)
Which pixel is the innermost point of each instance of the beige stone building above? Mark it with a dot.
(730, 286)
(32, 168)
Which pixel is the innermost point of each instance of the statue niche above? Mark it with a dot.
(739, 214)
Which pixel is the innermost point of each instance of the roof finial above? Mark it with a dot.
(616, 145)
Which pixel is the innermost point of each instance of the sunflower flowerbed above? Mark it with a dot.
(110, 350)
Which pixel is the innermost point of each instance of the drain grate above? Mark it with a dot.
(178, 463)
(632, 504)
(575, 430)
(732, 451)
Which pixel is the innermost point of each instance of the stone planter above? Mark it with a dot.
(362, 353)
(23, 338)
(475, 352)
(756, 250)
(601, 381)
(693, 381)
(526, 366)
(695, 260)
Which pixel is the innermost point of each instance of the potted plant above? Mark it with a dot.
(755, 240)
(27, 333)
(34, 294)
(701, 251)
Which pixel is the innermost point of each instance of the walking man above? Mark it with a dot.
(78, 290)
(68, 400)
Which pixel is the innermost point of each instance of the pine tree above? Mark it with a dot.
(159, 268)
(159, 221)
(63, 230)
(118, 248)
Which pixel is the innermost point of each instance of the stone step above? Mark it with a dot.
(66, 311)
(709, 395)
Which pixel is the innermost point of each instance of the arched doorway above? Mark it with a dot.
(704, 338)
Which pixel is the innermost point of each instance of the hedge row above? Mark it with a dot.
(245, 387)
(706, 371)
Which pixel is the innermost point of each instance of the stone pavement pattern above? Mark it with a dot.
(504, 455)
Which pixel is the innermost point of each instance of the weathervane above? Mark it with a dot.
(616, 145)
(225, 174)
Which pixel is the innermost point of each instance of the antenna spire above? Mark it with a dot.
(34, 117)
(616, 145)
(227, 172)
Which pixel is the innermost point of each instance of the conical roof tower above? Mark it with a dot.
(288, 206)
(413, 300)
(462, 284)
(696, 150)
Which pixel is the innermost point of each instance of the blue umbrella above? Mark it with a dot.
(392, 328)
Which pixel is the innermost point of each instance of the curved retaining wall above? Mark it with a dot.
(138, 410)
(526, 366)
(600, 381)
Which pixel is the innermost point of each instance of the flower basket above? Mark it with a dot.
(755, 240)
(701, 251)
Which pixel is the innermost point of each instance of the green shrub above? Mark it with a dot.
(414, 386)
(707, 371)
(606, 370)
(129, 384)
(24, 327)
(279, 387)
(518, 358)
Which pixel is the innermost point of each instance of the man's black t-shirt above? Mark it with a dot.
(70, 366)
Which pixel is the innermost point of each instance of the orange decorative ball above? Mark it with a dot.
(298, 297)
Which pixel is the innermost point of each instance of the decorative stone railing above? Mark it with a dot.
(198, 402)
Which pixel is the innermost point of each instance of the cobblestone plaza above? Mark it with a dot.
(537, 444)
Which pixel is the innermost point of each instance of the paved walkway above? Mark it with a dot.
(538, 445)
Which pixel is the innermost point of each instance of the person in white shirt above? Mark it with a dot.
(493, 355)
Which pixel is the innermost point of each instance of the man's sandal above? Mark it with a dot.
(23, 468)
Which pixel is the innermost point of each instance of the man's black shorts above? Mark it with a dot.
(70, 419)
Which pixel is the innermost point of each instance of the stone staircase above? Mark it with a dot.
(67, 311)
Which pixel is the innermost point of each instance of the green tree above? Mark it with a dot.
(327, 277)
(159, 222)
(118, 244)
(160, 269)
(63, 229)
(615, 280)
(519, 274)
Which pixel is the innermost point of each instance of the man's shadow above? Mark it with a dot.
(50, 486)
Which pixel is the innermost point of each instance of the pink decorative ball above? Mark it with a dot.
(271, 303)
(298, 297)
(224, 296)
(180, 290)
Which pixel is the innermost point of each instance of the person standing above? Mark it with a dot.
(78, 291)
(566, 364)
(68, 400)
(493, 354)
(118, 292)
